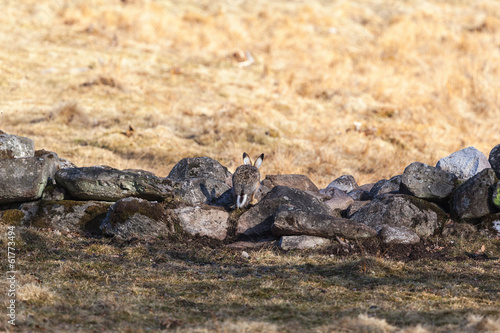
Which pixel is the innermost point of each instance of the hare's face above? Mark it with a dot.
(246, 181)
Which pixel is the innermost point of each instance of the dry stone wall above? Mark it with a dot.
(38, 189)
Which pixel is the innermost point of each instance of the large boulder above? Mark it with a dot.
(24, 179)
(302, 242)
(427, 182)
(13, 146)
(202, 220)
(494, 160)
(65, 215)
(401, 210)
(135, 217)
(464, 163)
(108, 184)
(345, 183)
(201, 190)
(256, 222)
(200, 167)
(472, 199)
(292, 221)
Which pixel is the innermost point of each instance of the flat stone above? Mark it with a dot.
(398, 235)
(292, 221)
(302, 242)
(108, 184)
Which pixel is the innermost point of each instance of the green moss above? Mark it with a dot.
(496, 196)
(12, 216)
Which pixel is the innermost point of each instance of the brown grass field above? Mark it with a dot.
(335, 87)
(357, 87)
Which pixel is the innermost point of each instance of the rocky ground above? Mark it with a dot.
(462, 191)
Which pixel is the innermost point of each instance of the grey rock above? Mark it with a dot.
(354, 207)
(302, 242)
(13, 146)
(108, 184)
(385, 186)
(24, 179)
(362, 193)
(256, 222)
(300, 182)
(427, 182)
(401, 210)
(330, 192)
(345, 183)
(203, 221)
(64, 164)
(495, 195)
(65, 215)
(135, 217)
(200, 167)
(292, 221)
(494, 160)
(398, 235)
(201, 190)
(464, 163)
(471, 200)
(339, 200)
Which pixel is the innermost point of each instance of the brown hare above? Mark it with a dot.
(246, 181)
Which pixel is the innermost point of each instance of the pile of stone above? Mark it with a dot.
(39, 189)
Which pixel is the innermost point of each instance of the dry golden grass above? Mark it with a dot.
(358, 87)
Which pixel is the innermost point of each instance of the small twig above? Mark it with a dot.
(344, 244)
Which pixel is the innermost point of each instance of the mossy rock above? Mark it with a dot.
(66, 215)
(134, 217)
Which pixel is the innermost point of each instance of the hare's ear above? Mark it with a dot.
(247, 159)
(259, 161)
